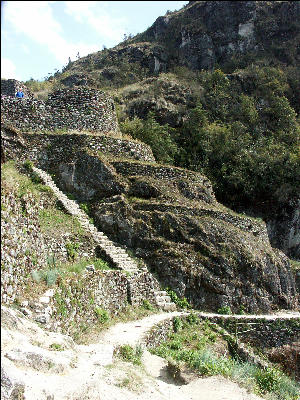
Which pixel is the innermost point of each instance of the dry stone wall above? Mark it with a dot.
(167, 173)
(67, 109)
(47, 149)
(258, 331)
(81, 301)
(25, 248)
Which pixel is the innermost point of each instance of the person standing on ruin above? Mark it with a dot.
(19, 94)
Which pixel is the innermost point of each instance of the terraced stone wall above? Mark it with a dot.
(68, 109)
(166, 173)
(49, 148)
(25, 248)
(81, 301)
(261, 333)
(157, 171)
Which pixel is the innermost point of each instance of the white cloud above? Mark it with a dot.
(93, 13)
(8, 69)
(25, 48)
(35, 20)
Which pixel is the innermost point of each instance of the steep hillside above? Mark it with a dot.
(168, 217)
(214, 87)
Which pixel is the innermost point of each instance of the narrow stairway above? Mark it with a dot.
(115, 254)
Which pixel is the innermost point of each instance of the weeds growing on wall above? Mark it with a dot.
(180, 302)
(102, 315)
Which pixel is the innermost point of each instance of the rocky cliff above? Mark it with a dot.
(206, 33)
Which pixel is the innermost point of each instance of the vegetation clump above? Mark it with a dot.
(131, 354)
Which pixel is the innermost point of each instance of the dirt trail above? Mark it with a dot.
(89, 372)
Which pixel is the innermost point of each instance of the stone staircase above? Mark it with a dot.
(116, 255)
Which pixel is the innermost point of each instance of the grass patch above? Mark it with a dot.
(54, 222)
(196, 345)
(131, 379)
(14, 181)
(295, 265)
(54, 270)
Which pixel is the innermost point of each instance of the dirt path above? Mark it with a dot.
(89, 372)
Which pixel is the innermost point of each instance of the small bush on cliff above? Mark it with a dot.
(225, 310)
(180, 302)
(72, 248)
(147, 305)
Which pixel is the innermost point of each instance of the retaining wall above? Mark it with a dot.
(25, 248)
(267, 333)
(55, 148)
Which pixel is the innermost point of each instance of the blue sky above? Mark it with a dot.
(38, 37)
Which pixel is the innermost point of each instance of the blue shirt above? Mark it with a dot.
(20, 94)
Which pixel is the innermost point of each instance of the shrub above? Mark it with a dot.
(225, 310)
(157, 136)
(28, 165)
(102, 315)
(147, 305)
(193, 319)
(56, 347)
(177, 324)
(182, 303)
(72, 248)
(84, 207)
(130, 354)
(49, 276)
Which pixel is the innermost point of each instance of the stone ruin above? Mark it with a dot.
(9, 87)
(79, 108)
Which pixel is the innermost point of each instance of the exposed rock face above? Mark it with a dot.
(210, 259)
(284, 229)
(208, 32)
(89, 178)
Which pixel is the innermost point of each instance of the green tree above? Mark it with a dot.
(157, 136)
(217, 97)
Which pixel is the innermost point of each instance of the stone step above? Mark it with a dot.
(118, 255)
(169, 307)
(161, 293)
(165, 299)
